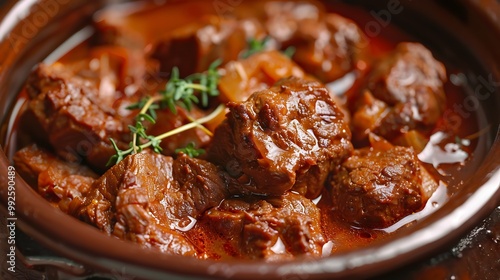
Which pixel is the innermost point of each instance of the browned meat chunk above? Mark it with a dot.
(200, 183)
(280, 19)
(151, 199)
(194, 47)
(62, 183)
(115, 71)
(287, 137)
(326, 45)
(272, 229)
(69, 113)
(328, 49)
(405, 92)
(378, 186)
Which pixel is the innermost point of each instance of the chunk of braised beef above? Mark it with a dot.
(151, 199)
(328, 49)
(116, 71)
(69, 113)
(282, 138)
(127, 203)
(405, 92)
(60, 182)
(201, 184)
(379, 185)
(273, 229)
(326, 45)
(192, 48)
(282, 18)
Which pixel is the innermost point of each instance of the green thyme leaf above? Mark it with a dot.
(190, 150)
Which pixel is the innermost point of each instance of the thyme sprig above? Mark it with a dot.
(191, 151)
(255, 46)
(154, 141)
(183, 90)
(177, 91)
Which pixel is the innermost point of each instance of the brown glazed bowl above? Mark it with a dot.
(465, 32)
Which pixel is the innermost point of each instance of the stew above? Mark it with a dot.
(252, 130)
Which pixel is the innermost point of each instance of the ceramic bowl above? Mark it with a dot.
(463, 32)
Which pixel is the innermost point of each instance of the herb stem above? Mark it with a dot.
(203, 128)
(479, 133)
(198, 87)
(150, 101)
(143, 111)
(193, 124)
